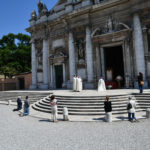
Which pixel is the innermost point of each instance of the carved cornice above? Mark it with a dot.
(112, 37)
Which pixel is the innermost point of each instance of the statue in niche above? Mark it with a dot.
(39, 59)
(80, 46)
(81, 51)
(110, 24)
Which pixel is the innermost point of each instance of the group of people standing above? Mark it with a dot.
(77, 84)
(26, 106)
(131, 105)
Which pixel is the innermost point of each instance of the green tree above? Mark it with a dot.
(15, 54)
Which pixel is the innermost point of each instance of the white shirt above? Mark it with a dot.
(132, 110)
(54, 103)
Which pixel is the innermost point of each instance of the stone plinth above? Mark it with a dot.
(148, 113)
(108, 117)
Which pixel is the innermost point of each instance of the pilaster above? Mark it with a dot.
(138, 46)
(34, 66)
(45, 63)
(71, 56)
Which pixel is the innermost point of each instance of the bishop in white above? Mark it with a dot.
(101, 85)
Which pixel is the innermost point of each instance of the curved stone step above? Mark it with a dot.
(85, 109)
(84, 113)
(90, 105)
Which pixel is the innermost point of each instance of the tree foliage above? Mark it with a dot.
(15, 54)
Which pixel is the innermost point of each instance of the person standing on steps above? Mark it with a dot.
(101, 85)
(131, 105)
(74, 83)
(53, 103)
(140, 82)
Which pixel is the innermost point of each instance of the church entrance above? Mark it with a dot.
(114, 67)
(59, 76)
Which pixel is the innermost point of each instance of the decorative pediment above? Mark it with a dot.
(112, 25)
(58, 53)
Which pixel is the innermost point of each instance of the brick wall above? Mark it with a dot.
(14, 83)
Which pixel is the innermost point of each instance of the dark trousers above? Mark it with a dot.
(141, 88)
(131, 116)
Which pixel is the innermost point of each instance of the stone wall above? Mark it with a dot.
(13, 84)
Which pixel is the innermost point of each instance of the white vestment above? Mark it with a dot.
(101, 85)
(74, 83)
(79, 84)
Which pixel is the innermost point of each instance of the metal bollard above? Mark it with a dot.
(9, 102)
(148, 113)
(109, 117)
(65, 114)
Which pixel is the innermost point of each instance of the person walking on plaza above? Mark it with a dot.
(131, 105)
(26, 106)
(140, 82)
(19, 104)
(53, 103)
(108, 109)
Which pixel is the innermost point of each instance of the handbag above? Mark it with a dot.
(142, 82)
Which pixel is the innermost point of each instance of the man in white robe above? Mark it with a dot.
(79, 84)
(74, 83)
(101, 85)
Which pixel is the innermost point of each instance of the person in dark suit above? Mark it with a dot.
(140, 82)
(19, 104)
(107, 105)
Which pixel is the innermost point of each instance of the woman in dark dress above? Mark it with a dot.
(107, 105)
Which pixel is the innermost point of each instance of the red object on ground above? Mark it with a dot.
(112, 83)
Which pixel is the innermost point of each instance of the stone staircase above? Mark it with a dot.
(92, 105)
(33, 96)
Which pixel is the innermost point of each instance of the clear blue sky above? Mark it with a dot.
(15, 14)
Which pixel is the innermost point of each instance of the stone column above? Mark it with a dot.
(89, 55)
(102, 63)
(71, 56)
(64, 74)
(34, 67)
(45, 63)
(138, 45)
(127, 61)
(98, 61)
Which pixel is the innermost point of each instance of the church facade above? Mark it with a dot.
(90, 39)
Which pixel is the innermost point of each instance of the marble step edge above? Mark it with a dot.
(84, 113)
(81, 101)
(83, 105)
(85, 109)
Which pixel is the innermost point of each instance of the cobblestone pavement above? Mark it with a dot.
(27, 133)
